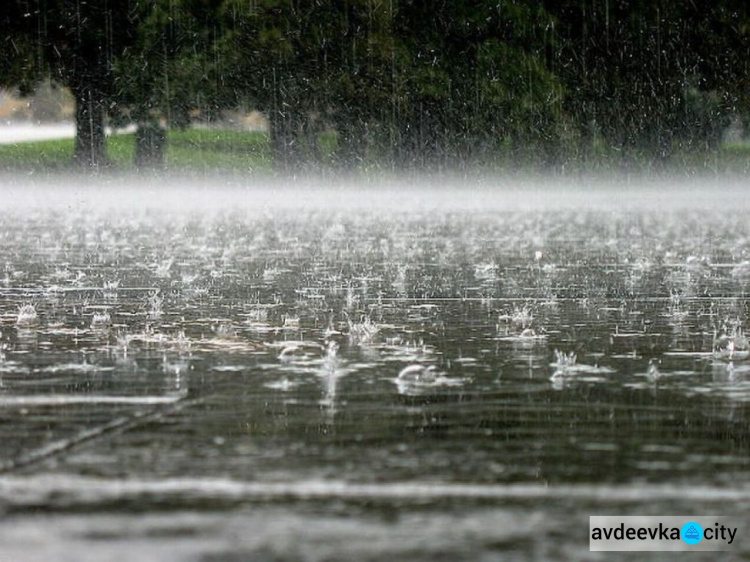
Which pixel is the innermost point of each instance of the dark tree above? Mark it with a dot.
(309, 66)
(16, 50)
(650, 79)
(272, 55)
(170, 76)
(472, 83)
(74, 42)
(427, 84)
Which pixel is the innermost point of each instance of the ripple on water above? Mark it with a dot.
(233, 314)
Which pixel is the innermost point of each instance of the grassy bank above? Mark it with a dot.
(247, 152)
(192, 150)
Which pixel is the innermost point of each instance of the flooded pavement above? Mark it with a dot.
(315, 375)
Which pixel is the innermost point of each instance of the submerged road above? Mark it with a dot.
(16, 132)
(150, 407)
(12, 133)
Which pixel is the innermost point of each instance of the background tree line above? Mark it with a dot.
(402, 83)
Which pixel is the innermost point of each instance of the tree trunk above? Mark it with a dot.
(310, 131)
(90, 149)
(285, 144)
(351, 149)
(150, 142)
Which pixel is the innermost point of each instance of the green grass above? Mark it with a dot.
(39, 155)
(191, 150)
(200, 150)
(211, 149)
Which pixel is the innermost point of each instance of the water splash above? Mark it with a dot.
(564, 363)
(732, 346)
(101, 320)
(155, 305)
(363, 332)
(301, 352)
(417, 379)
(27, 316)
(566, 366)
(653, 373)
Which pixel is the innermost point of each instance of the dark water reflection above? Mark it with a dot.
(570, 348)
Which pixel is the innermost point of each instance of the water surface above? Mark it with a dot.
(321, 373)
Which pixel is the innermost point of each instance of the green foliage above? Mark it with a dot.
(402, 83)
(233, 152)
(191, 150)
(472, 80)
(166, 76)
(651, 78)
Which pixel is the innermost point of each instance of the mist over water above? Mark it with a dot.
(470, 367)
(448, 192)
